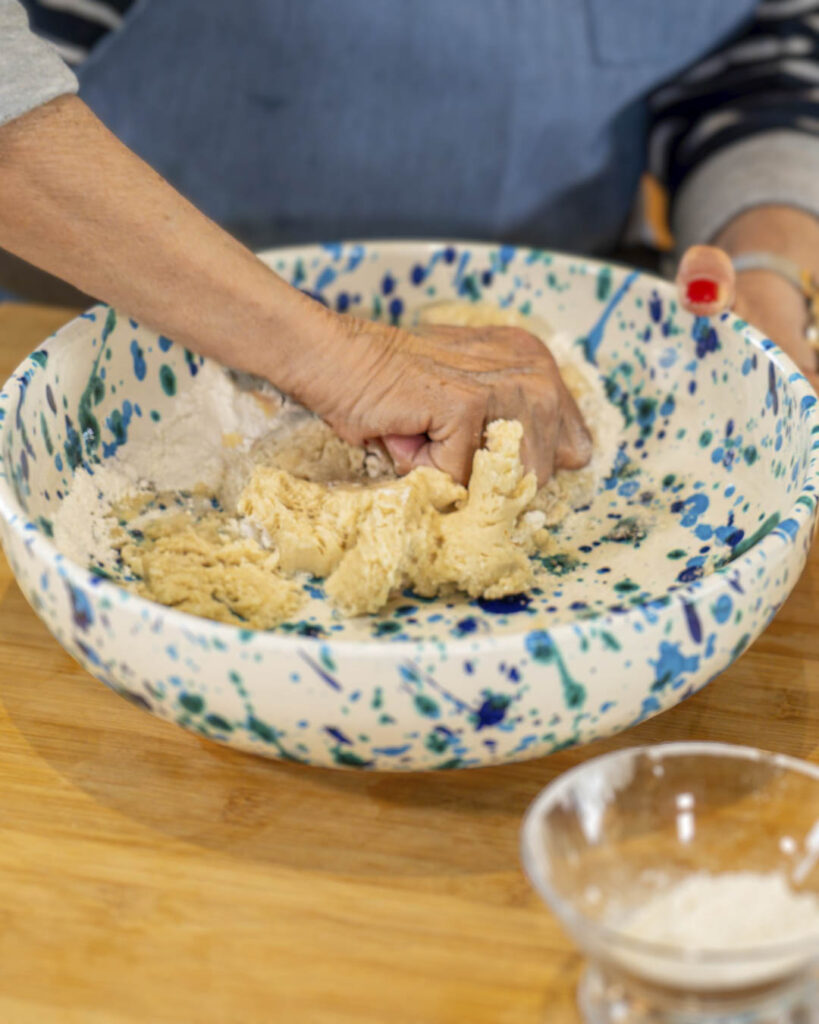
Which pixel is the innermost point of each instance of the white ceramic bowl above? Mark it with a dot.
(714, 491)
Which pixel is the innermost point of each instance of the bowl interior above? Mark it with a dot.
(715, 444)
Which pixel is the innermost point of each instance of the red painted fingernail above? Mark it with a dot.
(702, 290)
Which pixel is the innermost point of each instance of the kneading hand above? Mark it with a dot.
(430, 392)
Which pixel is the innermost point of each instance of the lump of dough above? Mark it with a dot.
(196, 569)
(457, 313)
(314, 526)
(423, 531)
(483, 547)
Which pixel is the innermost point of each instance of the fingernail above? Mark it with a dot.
(702, 290)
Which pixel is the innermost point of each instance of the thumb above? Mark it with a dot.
(706, 281)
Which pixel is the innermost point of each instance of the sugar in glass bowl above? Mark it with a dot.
(688, 873)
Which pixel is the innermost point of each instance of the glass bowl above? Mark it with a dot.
(688, 873)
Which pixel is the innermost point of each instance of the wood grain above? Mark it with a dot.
(147, 876)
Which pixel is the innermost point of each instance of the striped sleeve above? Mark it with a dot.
(74, 27)
(741, 127)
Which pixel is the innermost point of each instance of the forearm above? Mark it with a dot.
(782, 230)
(77, 203)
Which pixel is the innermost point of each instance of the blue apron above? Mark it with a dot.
(299, 120)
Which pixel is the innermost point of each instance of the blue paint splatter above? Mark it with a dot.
(320, 672)
(138, 357)
(81, 610)
(692, 620)
(722, 608)
(672, 666)
(591, 343)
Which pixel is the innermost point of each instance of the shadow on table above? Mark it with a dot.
(347, 823)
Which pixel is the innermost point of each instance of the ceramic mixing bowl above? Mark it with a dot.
(699, 531)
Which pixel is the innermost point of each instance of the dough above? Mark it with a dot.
(424, 531)
(204, 568)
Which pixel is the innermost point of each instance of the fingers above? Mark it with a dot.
(706, 280)
(539, 446)
(574, 443)
(452, 448)
(404, 450)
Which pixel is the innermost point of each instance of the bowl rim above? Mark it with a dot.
(605, 937)
(770, 549)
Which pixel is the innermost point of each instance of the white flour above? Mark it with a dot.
(724, 915)
(212, 425)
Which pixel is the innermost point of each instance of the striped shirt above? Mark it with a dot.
(74, 27)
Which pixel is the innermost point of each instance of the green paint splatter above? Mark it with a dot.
(46, 434)
(348, 759)
(750, 454)
(559, 565)
(627, 530)
(40, 358)
(192, 702)
(155, 416)
(706, 437)
(544, 651)
(117, 426)
(436, 741)
(603, 284)
(676, 554)
(378, 698)
(426, 706)
(386, 627)
(740, 645)
(470, 287)
(626, 586)
(167, 378)
(45, 526)
(217, 722)
(610, 641)
(110, 324)
(748, 542)
(668, 480)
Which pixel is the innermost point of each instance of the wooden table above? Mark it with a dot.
(149, 876)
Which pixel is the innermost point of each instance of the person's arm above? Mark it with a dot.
(79, 204)
(736, 141)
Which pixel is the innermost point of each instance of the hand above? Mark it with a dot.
(708, 284)
(429, 393)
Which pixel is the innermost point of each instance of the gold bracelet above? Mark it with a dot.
(801, 279)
